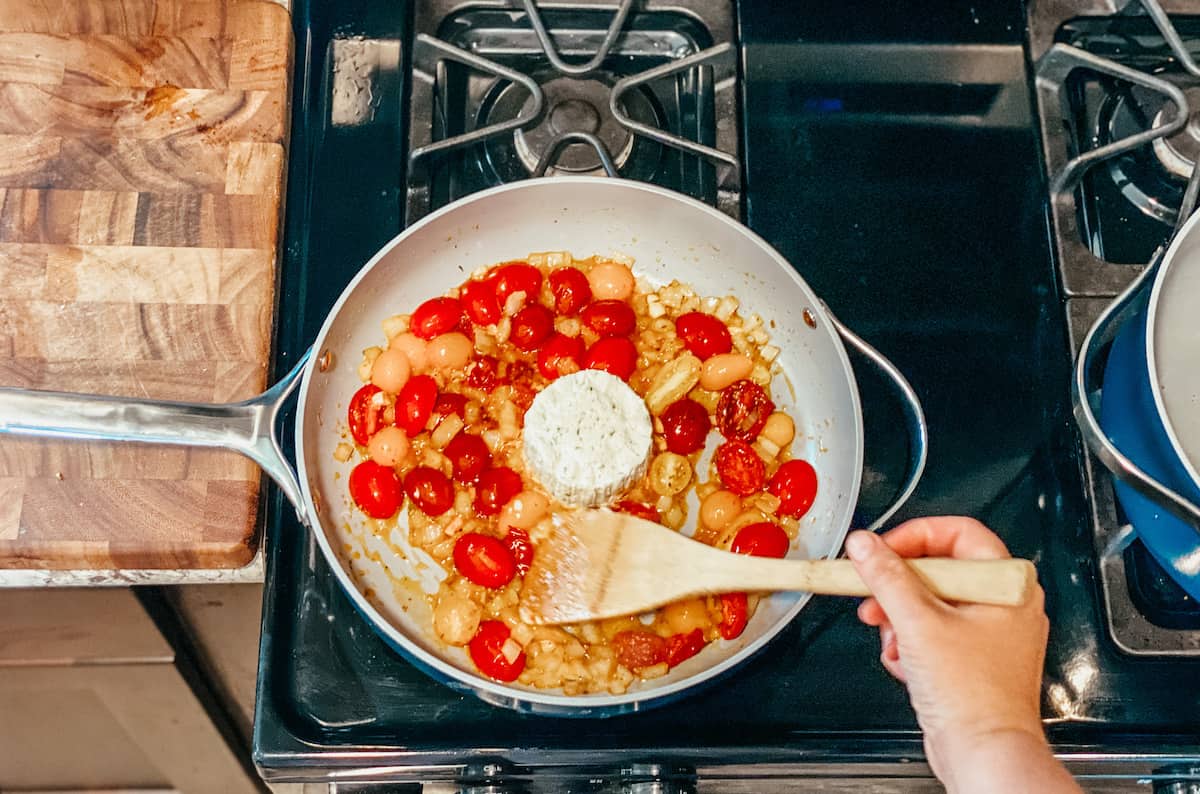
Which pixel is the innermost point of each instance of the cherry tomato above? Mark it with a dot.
(487, 652)
(517, 277)
(496, 486)
(484, 560)
(795, 483)
(484, 373)
(521, 547)
(640, 510)
(430, 490)
(740, 468)
(639, 648)
(681, 647)
(570, 289)
(450, 403)
(435, 317)
(763, 539)
(742, 410)
(469, 456)
(562, 355)
(531, 326)
(480, 303)
(414, 403)
(735, 611)
(375, 489)
(365, 414)
(615, 355)
(610, 318)
(685, 426)
(703, 334)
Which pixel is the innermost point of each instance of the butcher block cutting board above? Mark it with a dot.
(141, 168)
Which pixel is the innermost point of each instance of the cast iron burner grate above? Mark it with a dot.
(503, 92)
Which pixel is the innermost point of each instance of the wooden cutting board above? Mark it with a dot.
(141, 168)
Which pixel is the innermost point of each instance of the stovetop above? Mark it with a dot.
(891, 154)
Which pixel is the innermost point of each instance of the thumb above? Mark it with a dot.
(901, 593)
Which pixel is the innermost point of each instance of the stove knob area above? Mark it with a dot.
(1187, 783)
(657, 779)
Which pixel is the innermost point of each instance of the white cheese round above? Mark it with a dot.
(587, 438)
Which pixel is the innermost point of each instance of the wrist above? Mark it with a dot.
(1001, 760)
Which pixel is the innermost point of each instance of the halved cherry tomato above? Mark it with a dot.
(640, 510)
(742, 410)
(636, 649)
(762, 539)
(740, 468)
(615, 355)
(435, 317)
(571, 290)
(735, 609)
(610, 318)
(518, 543)
(430, 490)
(487, 652)
(484, 373)
(496, 486)
(531, 326)
(681, 647)
(414, 403)
(516, 277)
(365, 414)
(562, 355)
(484, 560)
(469, 456)
(795, 483)
(375, 489)
(450, 403)
(480, 303)
(685, 426)
(703, 334)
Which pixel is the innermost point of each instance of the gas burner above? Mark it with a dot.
(1178, 153)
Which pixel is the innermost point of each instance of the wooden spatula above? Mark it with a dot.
(601, 564)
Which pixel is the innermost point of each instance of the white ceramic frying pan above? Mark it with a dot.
(669, 236)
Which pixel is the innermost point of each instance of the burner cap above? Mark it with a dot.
(1179, 152)
(1149, 177)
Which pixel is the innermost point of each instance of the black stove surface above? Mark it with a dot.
(923, 225)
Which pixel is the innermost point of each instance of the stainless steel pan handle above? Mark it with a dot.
(914, 414)
(247, 427)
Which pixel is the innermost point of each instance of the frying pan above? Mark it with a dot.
(669, 236)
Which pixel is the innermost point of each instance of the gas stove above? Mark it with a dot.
(891, 151)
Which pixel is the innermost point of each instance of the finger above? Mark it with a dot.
(946, 536)
(901, 594)
(887, 642)
(870, 613)
(894, 667)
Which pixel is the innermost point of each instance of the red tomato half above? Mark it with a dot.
(430, 490)
(610, 318)
(681, 647)
(484, 560)
(487, 652)
(763, 539)
(795, 483)
(483, 373)
(414, 403)
(740, 468)
(735, 610)
(516, 277)
(685, 426)
(436, 316)
(480, 303)
(531, 326)
(496, 486)
(570, 289)
(375, 489)
(703, 334)
(518, 543)
(616, 356)
(562, 355)
(365, 415)
(469, 456)
(639, 510)
(742, 410)
(636, 649)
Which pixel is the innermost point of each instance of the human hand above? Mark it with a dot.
(973, 671)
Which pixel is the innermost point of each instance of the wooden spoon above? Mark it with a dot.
(601, 564)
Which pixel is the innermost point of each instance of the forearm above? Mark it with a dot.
(1004, 763)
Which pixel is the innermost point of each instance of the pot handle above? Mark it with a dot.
(247, 427)
(1085, 390)
(914, 414)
